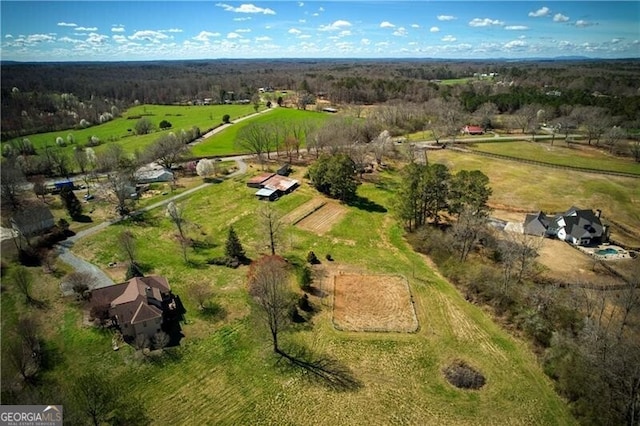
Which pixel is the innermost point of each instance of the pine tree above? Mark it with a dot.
(71, 202)
(233, 247)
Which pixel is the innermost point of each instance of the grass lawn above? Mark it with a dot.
(223, 143)
(122, 129)
(561, 155)
(225, 373)
(455, 81)
(534, 188)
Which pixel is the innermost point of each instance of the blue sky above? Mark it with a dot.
(150, 30)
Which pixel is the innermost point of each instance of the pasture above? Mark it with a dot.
(573, 155)
(224, 143)
(224, 372)
(121, 130)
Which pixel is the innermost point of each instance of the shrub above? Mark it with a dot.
(312, 258)
(164, 124)
(463, 376)
(133, 270)
(226, 118)
(329, 258)
(304, 304)
(304, 277)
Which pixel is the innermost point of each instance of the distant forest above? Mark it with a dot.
(41, 97)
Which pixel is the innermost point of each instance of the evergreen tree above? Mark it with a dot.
(233, 248)
(71, 202)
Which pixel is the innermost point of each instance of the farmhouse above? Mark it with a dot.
(139, 306)
(272, 186)
(575, 226)
(32, 221)
(473, 130)
(153, 173)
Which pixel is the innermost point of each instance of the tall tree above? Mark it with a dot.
(469, 189)
(71, 202)
(253, 138)
(269, 285)
(167, 150)
(176, 216)
(233, 248)
(335, 176)
(270, 221)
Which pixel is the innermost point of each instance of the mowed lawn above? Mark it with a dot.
(224, 143)
(534, 188)
(225, 372)
(122, 129)
(561, 155)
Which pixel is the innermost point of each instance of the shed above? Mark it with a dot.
(267, 194)
(258, 181)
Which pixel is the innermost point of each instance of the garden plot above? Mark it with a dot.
(373, 303)
(321, 219)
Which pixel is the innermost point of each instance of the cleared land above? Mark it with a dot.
(322, 219)
(373, 303)
(574, 155)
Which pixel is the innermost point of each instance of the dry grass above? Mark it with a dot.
(322, 220)
(373, 303)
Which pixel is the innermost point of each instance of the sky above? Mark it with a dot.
(168, 30)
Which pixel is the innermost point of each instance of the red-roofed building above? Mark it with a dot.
(138, 306)
(473, 130)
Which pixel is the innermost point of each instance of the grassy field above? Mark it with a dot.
(534, 188)
(122, 130)
(561, 155)
(224, 371)
(223, 143)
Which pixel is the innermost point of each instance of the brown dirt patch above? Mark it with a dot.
(373, 303)
(323, 218)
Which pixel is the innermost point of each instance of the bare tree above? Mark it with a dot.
(176, 216)
(613, 138)
(12, 181)
(254, 139)
(467, 231)
(381, 145)
(269, 285)
(630, 298)
(160, 340)
(167, 150)
(200, 292)
(25, 352)
(271, 223)
(23, 282)
(96, 396)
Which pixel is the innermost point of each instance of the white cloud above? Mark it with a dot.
(400, 32)
(118, 29)
(337, 25)
(543, 11)
(303, 36)
(119, 38)
(97, 39)
(86, 29)
(302, 21)
(434, 29)
(294, 31)
(172, 30)
(515, 44)
(386, 24)
(148, 35)
(449, 38)
(247, 8)
(365, 41)
(415, 26)
(243, 30)
(204, 36)
(559, 17)
(71, 40)
(582, 23)
(345, 33)
(233, 35)
(8, 36)
(39, 38)
(616, 41)
(300, 4)
(516, 27)
(67, 24)
(242, 18)
(263, 38)
(486, 22)
(446, 18)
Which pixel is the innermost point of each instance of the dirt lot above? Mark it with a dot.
(322, 219)
(373, 303)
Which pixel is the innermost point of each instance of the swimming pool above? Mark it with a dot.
(607, 251)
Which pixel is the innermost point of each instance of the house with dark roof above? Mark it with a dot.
(575, 226)
(138, 306)
(33, 221)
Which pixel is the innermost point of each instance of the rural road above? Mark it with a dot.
(100, 279)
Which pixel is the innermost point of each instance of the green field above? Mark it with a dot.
(224, 372)
(223, 143)
(122, 129)
(561, 155)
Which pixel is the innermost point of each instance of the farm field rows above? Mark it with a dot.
(225, 373)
